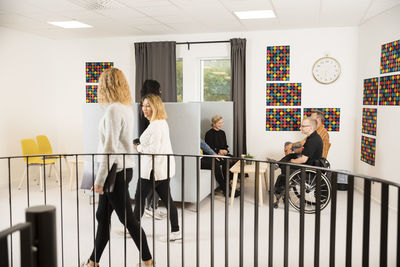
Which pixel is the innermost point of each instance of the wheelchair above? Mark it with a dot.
(310, 195)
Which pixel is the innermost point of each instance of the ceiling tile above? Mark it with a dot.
(54, 5)
(144, 3)
(83, 15)
(155, 29)
(160, 11)
(378, 7)
(300, 5)
(175, 19)
(121, 12)
(245, 5)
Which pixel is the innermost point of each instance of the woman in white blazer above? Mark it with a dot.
(155, 140)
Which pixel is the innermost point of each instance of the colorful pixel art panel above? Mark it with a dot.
(390, 57)
(94, 69)
(278, 63)
(283, 119)
(283, 94)
(368, 150)
(369, 121)
(371, 91)
(332, 117)
(91, 93)
(389, 92)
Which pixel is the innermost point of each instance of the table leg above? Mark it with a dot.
(233, 189)
(260, 191)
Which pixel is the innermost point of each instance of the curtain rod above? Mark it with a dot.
(201, 42)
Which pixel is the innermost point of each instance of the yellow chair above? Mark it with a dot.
(29, 147)
(46, 149)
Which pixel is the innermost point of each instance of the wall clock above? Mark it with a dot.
(326, 70)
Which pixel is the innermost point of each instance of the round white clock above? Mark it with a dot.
(326, 70)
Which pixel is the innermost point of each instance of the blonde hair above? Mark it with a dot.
(113, 87)
(157, 107)
(215, 119)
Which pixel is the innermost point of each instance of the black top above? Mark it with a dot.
(216, 140)
(313, 148)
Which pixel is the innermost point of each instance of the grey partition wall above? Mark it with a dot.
(187, 124)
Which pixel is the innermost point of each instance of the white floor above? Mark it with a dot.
(70, 242)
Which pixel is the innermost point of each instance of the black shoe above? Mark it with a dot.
(278, 195)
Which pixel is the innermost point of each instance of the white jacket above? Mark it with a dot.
(155, 140)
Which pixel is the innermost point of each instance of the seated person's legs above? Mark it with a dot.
(280, 181)
(218, 173)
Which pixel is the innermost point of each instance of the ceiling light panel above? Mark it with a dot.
(247, 5)
(72, 24)
(255, 14)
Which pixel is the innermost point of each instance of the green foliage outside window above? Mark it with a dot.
(216, 80)
(179, 79)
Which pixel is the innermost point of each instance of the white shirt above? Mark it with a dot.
(155, 140)
(115, 136)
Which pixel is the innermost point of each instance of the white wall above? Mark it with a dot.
(372, 34)
(28, 93)
(55, 84)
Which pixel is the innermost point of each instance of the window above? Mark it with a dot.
(179, 79)
(216, 80)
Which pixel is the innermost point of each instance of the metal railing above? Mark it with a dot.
(268, 257)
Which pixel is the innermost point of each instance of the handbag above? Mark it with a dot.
(88, 177)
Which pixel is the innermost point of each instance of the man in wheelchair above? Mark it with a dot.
(297, 146)
(311, 152)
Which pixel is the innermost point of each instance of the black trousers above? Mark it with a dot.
(219, 172)
(162, 188)
(281, 180)
(118, 200)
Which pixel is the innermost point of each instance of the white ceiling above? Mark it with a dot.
(149, 17)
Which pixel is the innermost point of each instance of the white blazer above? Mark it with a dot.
(155, 140)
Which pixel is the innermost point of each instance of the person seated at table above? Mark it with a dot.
(312, 151)
(218, 171)
(297, 146)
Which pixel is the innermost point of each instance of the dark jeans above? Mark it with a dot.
(281, 180)
(219, 172)
(162, 187)
(118, 200)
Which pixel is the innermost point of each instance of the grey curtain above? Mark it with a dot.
(238, 89)
(156, 61)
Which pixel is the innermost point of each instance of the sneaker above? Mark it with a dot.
(158, 214)
(87, 264)
(142, 264)
(173, 236)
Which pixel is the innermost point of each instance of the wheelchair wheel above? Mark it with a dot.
(310, 190)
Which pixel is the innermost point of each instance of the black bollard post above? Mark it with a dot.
(44, 235)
